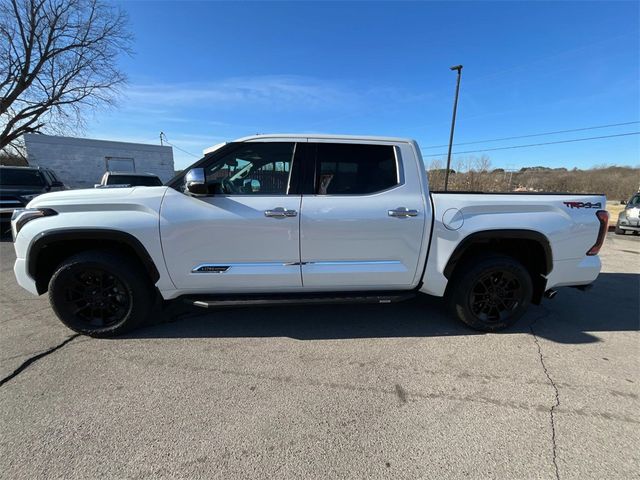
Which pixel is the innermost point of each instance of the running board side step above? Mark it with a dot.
(213, 301)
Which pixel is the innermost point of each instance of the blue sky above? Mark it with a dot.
(206, 72)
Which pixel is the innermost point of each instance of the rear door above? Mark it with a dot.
(363, 225)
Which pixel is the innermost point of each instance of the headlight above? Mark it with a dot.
(28, 198)
(22, 216)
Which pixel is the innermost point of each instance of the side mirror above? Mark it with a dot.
(251, 185)
(195, 182)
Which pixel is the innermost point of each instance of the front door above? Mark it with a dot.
(244, 235)
(363, 227)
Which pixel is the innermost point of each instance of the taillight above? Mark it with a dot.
(603, 217)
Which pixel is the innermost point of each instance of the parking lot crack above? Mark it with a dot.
(556, 404)
(35, 358)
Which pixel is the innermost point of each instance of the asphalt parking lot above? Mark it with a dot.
(388, 391)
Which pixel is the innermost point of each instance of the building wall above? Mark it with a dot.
(81, 162)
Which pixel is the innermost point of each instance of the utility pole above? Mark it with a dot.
(161, 135)
(453, 125)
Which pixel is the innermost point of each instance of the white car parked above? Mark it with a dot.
(629, 218)
(303, 219)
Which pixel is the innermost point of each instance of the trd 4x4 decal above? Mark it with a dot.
(583, 205)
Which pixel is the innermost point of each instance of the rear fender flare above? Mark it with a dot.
(486, 236)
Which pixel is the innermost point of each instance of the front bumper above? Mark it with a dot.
(631, 228)
(22, 276)
(625, 222)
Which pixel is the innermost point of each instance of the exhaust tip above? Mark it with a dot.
(550, 293)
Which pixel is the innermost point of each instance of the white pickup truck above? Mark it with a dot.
(303, 219)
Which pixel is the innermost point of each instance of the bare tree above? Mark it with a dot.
(57, 58)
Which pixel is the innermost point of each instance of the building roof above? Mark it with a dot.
(91, 142)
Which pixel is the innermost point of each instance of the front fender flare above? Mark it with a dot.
(42, 240)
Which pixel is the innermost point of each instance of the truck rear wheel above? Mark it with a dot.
(100, 293)
(491, 292)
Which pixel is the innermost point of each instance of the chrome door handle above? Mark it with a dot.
(280, 213)
(403, 212)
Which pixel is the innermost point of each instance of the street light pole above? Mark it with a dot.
(453, 126)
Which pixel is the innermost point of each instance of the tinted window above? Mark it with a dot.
(49, 176)
(252, 169)
(53, 176)
(29, 178)
(350, 169)
(134, 180)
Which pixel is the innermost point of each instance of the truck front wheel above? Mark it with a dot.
(491, 292)
(100, 293)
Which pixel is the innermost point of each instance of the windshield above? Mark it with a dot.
(21, 177)
(635, 201)
(134, 180)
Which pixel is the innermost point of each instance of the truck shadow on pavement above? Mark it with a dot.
(573, 317)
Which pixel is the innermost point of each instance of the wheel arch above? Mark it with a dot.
(50, 248)
(530, 247)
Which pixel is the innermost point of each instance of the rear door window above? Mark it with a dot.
(354, 169)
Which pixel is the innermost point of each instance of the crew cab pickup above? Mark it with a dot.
(303, 219)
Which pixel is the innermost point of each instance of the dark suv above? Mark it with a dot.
(18, 185)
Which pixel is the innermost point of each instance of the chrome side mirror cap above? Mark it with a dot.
(195, 182)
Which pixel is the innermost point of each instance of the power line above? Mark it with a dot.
(538, 134)
(536, 144)
(164, 136)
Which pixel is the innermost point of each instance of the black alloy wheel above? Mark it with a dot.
(495, 296)
(101, 293)
(490, 292)
(97, 297)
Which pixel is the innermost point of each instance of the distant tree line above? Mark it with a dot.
(476, 174)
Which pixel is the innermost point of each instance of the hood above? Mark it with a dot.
(94, 199)
(21, 190)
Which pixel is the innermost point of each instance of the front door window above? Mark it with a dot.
(253, 169)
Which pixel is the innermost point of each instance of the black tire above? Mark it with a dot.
(100, 293)
(490, 292)
(619, 231)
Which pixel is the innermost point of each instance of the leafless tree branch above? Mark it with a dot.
(58, 58)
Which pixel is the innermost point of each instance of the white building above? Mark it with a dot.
(80, 162)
